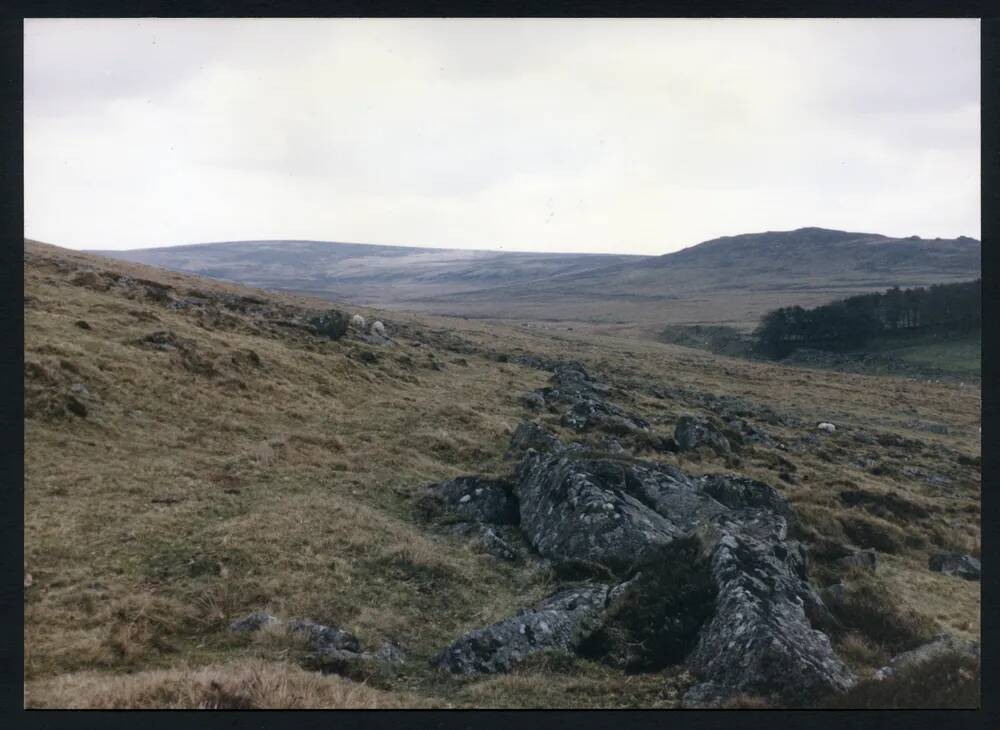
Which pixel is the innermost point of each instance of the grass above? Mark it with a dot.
(286, 480)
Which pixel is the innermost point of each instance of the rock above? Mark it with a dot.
(706, 695)
(325, 638)
(332, 324)
(391, 653)
(253, 622)
(864, 559)
(75, 406)
(529, 435)
(939, 646)
(589, 509)
(83, 324)
(760, 640)
(826, 426)
(587, 413)
(79, 388)
(497, 546)
(692, 432)
(963, 566)
(478, 499)
(561, 622)
(534, 401)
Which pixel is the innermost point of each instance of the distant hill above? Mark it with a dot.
(729, 280)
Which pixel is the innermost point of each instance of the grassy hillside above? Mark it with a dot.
(728, 281)
(188, 463)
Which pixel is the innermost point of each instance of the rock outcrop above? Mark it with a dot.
(962, 566)
(561, 622)
(939, 646)
(692, 432)
(757, 634)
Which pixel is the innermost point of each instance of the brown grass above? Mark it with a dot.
(249, 685)
(185, 499)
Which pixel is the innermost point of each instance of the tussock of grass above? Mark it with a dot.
(249, 685)
(870, 608)
(951, 681)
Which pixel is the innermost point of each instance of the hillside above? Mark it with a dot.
(194, 452)
(730, 280)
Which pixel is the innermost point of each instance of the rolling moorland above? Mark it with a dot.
(728, 281)
(227, 508)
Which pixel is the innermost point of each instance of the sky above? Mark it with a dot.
(626, 136)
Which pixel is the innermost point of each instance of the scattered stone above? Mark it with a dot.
(692, 432)
(561, 622)
(76, 407)
(864, 559)
(83, 324)
(529, 435)
(534, 401)
(79, 388)
(963, 566)
(325, 638)
(253, 622)
(332, 324)
(939, 646)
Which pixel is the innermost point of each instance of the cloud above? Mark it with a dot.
(560, 135)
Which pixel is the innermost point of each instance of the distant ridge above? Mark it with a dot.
(752, 272)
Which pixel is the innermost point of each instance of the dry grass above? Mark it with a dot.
(249, 685)
(184, 499)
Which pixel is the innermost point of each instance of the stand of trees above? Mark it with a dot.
(850, 323)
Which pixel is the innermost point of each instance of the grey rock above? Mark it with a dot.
(534, 400)
(864, 559)
(325, 638)
(529, 435)
(478, 499)
(561, 622)
(706, 695)
(586, 509)
(692, 432)
(963, 566)
(253, 622)
(938, 646)
(760, 640)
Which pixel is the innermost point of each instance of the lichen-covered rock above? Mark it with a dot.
(864, 559)
(588, 509)
(325, 638)
(477, 499)
(692, 432)
(529, 435)
(963, 566)
(253, 622)
(332, 324)
(760, 639)
(559, 623)
(939, 646)
(534, 400)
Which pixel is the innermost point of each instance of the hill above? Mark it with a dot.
(195, 452)
(729, 281)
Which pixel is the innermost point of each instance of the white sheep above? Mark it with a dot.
(358, 322)
(826, 426)
(378, 328)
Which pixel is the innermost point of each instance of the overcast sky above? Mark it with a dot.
(633, 136)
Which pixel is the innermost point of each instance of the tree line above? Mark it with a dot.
(850, 323)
